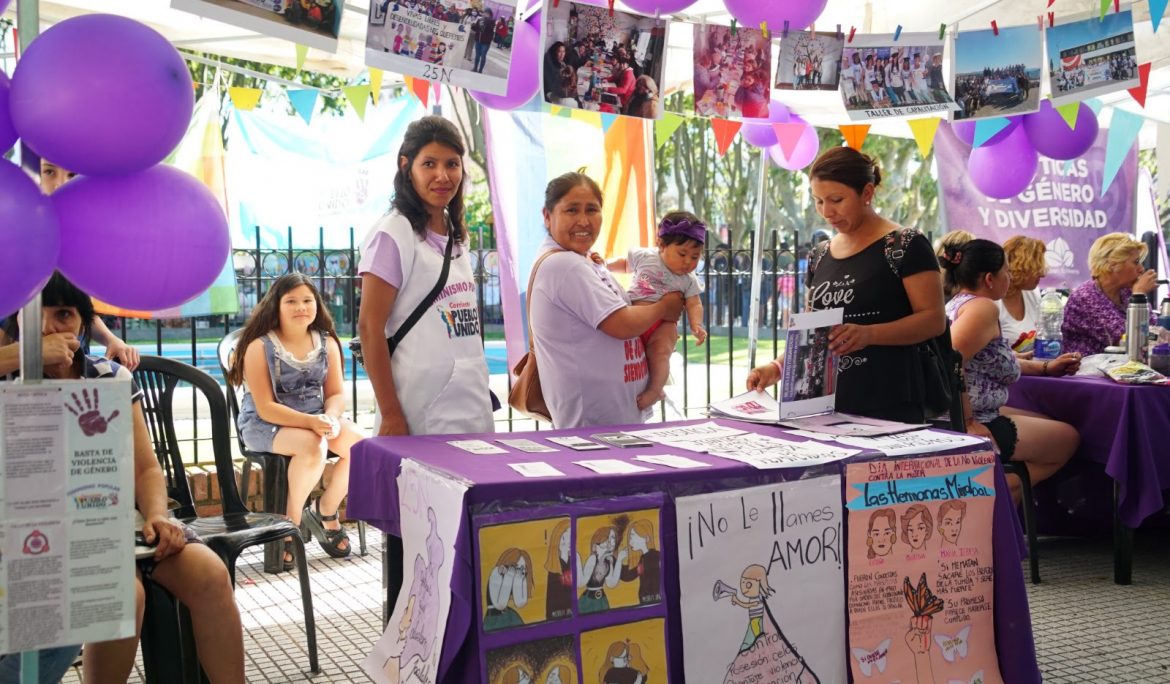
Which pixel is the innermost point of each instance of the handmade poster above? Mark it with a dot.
(430, 510)
(733, 71)
(921, 575)
(753, 407)
(603, 60)
(998, 75)
(465, 43)
(1063, 206)
(809, 384)
(631, 652)
(525, 572)
(67, 496)
(619, 560)
(760, 581)
(1091, 57)
(894, 78)
(547, 661)
(315, 23)
(811, 61)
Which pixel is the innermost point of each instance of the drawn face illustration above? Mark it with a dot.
(637, 542)
(622, 660)
(554, 676)
(916, 532)
(950, 526)
(564, 546)
(749, 587)
(881, 536)
(522, 566)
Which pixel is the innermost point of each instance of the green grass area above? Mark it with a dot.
(725, 351)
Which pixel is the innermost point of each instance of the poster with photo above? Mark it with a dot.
(810, 61)
(1092, 57)
(740, 553)
(525, 572)
(809, 385)
(733, 72)
(603, 60)
(314, 23)
(998, 75)
(921, 575)
(883, 78)
(544, 661)
(619, 560)
(465, 43)
(631, 652)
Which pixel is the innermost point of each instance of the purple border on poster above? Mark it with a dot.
(1063, 208)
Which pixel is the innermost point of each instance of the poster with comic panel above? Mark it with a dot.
(921, 581)
(525, 569)
(626, 653)
(619, 559)
(543, 661)
(760, 582)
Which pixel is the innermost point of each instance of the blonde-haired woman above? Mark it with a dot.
(558, 598)
(952, 239)
(1094, 317)
(624, 664)
(644, 562)
(1019, 310)
(510, 583)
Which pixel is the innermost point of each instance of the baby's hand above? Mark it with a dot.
(699, 332)
(596, 258)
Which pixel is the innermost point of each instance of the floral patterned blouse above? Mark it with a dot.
(1091, 321)
(989, 372)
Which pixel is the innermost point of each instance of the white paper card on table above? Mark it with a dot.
(578, 443)
(477, 446)
(528, 445)
(536, 469)
(809, 385)
(847, 424)
(671, 461)
(808, 434)
(766, 453)
(612, 466)
(685, 432)
(752, 407)
(917, 442)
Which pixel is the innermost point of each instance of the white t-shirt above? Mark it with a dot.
(588, 377)
(1020, 334)
(652, 279)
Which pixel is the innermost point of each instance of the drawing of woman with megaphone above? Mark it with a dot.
(763, 634)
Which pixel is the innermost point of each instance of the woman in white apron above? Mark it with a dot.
(436, 381)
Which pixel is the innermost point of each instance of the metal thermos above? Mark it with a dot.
(1137, 328)
(1164, 309)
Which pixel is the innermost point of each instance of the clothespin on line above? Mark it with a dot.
(942, 31)
(839, 34)
(994, 27)
(1051, 19)
(897, 33)
(852, 32)
(785, 33)
(611, 8)
(764, 30)
(734, 30)
(812, 30)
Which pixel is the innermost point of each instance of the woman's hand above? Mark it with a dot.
(672, 306)
(763, 377)
(699, 332)
(1146, 282)
(1065, 364)
(978, 429)
(320, 423)
(119, 351)
(848, 338)
(393, 426)
(58, 349)
(167, 532)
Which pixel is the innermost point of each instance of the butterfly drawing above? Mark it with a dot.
(954, 646)
(867, 660)
(976, 678)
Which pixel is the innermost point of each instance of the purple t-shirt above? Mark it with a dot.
(382, 256)
(652, 279)
(1091, 321)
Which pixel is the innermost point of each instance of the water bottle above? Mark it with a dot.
(1137, 328)
(1048, 338)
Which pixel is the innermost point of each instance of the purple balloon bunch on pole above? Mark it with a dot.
(131, 231)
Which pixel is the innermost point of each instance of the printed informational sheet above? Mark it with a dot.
(680, 433)
(917, 442)
(753, 407)
(314, 23)
(430, 510)
(612, 466)
(477, 446)
(760, 580)
(67, 496)
(890, 77)
(849, 425)
(809, 385)
(760, 451)
(921, 575)
(527, 445)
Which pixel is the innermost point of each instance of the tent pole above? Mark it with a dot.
(757, 265)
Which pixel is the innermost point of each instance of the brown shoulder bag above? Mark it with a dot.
(526, 395)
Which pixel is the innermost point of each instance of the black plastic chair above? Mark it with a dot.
(275, 466)
(238, 528)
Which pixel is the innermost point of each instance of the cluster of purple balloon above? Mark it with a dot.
(131, 231)
(1005, 165)
(762, 133)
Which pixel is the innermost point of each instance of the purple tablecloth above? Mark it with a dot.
(1120, 427)
(373, 497)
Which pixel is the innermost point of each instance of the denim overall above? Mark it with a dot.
(296, 384)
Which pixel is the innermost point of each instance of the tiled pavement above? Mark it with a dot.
(1087, 628)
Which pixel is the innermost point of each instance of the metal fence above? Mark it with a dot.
(725, 274)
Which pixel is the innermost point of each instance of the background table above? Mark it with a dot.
(1121, 428)
(373, 497)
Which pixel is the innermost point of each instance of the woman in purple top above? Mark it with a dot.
(978, 272)
(1094, 317)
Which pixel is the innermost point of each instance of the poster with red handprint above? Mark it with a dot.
(921, 584)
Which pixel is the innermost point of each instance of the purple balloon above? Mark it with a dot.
(4, 5)
(1051, 136)
(524, 76)
(149, 240)
(658, 6)
(759, 132)
(803, 154)
(798, 13)
(125, 116)
(965, 131)
(31, 238)
(8, 133)
(1005, 169)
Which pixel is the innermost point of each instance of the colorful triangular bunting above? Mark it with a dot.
(1139, 92)
(1069, 112)
(788, 135)
(1123, 132)
(244, 99)
(725, 131)
(420, 87)
(924, 131)
(607, 120)
(555, 110)
(302, 52)
(586, 116)
(357, 96)
(304, 102)
(375, 84)
(664, 128)
(1094, 104)
(855, 134)
(1104, 7)
(985, 129)
(1157, 11)
(437, 89)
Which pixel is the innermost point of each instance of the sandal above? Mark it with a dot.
(330, 540)
(288, 559)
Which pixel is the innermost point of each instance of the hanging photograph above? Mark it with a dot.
(619, 561)
(631, 652)
(546, 661)
(603, 60)
(315, 23)
(1092, 57)
(733, 71)
(998, 75)
(525, 572)
(465, 43)
(810, 61)
(882, 78)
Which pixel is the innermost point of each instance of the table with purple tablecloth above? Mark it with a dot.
(373, 497)
(1120, 428)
